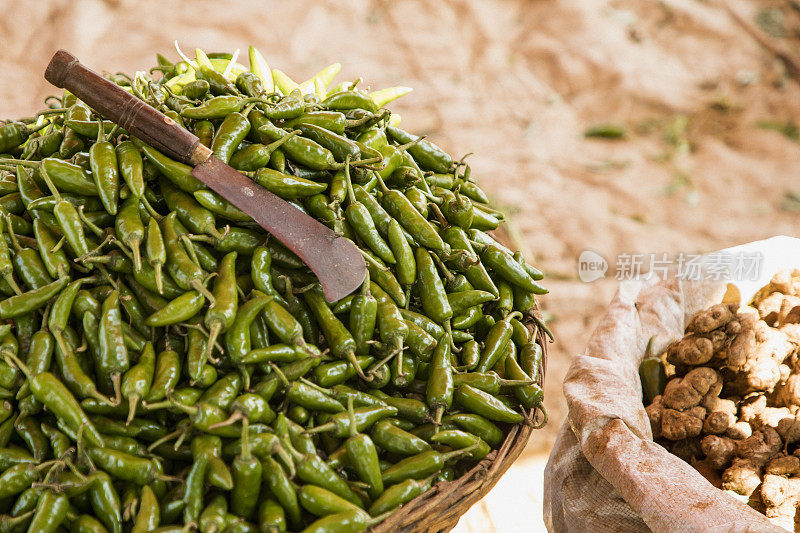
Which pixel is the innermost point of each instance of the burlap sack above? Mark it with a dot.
(605, 473)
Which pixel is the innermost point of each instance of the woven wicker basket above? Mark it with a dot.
(440, 508)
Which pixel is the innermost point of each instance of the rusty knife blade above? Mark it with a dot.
(335, 260)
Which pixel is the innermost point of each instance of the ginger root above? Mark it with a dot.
(732, 407)
(752, 454)
(692, 389)
(712, 318)
(781, 496)
(719, 451)
(672, 424)
(783, 465)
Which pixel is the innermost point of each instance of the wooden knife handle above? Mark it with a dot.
(117, 105)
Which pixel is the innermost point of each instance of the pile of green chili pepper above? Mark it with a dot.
(165, 365)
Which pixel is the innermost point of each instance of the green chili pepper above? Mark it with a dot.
(214, 108)
(204, 130)
(282, 489)
(393, 439)
(32, 300)
(528, 393)
(113, 358)
(237, 336)
(149, 514)
(229, 136)
(60, 312)
(432, 293)
(105, 170)
(155, 251)
(424, 152)
(299, 149)
(51, 511)
(484, 404)
(287, 186)
(182, 269)
(330, 120)
(196, 218)
(340, 146)
(311, 398)
(72, 369)
(165, 377)
(322, 502)
(177, 173)
(364, 417)
(71, 144)
(458, 439)
(178, 310)
(249, 84)
(360, 220)
(196, 89)
(52, 393)
(220, 206)
(213, 516)
(68, 177)
(399, 494)
(340, 340)
(508, 268)
(399, 207)
(130, 230)
(350, 99)
(363, 317)
(28, 189)
(137, 380)
(489, 382)
(505, 302)
(419, 466)
(271, 516)
(47, 203)
(496, 341)
(14, 134)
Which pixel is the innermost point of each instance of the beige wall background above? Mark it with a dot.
(516, 83)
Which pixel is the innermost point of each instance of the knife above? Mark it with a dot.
(335, 260)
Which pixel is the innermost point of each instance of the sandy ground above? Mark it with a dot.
(517, 83)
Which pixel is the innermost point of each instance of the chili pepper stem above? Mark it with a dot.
(271, 147)
(165, 404)
(166, 438)
(449, 330)
(321, 428)
(11, 234)
(97, 395)
(351, 358)
(351, 197)
(371, 260)
(437, 415)
(397, 350)
(21, 162)
(280, 374)
(59, 245)
(18, 363)
(245, 377)
(198, 286)
(116, 382)
(133, 402)
(516, 382)
(213, 333)
(137, 255)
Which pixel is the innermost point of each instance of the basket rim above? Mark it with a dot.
(476, 482)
